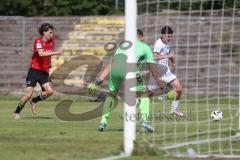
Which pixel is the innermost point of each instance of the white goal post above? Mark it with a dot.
(130, 110)
(207, 64)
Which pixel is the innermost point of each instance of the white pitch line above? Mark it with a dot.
(198, 142)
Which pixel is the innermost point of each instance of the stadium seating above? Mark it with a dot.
(88, 35)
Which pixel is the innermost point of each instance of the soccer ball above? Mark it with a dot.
(216, 115)
(171, 95)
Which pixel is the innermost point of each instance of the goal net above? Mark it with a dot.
(207, 45)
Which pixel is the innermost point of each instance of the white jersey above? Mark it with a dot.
(162, 49)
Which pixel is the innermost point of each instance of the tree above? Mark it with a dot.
(58, 7)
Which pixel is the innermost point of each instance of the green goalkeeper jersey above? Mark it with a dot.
(143, 53)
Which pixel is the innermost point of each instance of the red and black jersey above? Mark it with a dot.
(41, 63)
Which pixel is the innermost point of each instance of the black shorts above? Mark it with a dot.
(35, 76)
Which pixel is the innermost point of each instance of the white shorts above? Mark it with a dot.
(167, 78)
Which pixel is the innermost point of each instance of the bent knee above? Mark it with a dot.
(50, 92)
(178, 89)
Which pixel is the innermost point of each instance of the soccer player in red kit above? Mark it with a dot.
(39, 69)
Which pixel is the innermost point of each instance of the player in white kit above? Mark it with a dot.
(162, 55)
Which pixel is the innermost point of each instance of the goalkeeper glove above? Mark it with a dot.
(92, 87)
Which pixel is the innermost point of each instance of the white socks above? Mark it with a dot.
(175, 105)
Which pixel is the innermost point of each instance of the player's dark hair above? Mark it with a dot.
(139, 32)
(44, 28)
(166, 30)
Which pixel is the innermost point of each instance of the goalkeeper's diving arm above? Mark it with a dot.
(104, 73)
(156, 75)
(92, 87)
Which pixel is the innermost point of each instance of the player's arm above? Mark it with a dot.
(157, 56)
(92, 87)
(156, 75)
(152, 68)
(172, 61)
(172, 58)
(157, 50)
(43, 53)
(104, 73)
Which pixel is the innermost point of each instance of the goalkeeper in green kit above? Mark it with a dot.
(117, 73)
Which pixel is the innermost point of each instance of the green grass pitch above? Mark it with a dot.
(45, 137)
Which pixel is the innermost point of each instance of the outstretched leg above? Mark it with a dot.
(109, 104)
(27, 96)
(47, 92)
(144, 104)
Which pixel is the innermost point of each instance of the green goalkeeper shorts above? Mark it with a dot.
(140, 85)
(118, 73)
(116, 79)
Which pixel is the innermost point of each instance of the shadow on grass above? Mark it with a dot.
(112, 130)
(36, 117)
